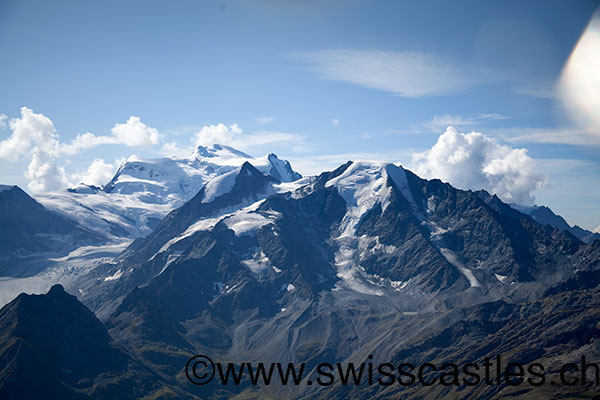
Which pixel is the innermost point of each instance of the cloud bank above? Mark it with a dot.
(475, 161)
(34, 137)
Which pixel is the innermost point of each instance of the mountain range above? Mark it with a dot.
(246, 261)
(102, 221)
(142, 192)
(546, 216)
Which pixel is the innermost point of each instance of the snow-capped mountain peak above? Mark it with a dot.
(362, 185)
(143, 191)
(220, 185)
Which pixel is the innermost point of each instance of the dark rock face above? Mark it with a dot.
(53, 347)
(27, 228)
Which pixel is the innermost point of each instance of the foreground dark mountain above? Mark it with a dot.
(366, 260)
(28, 229)
(53, 347)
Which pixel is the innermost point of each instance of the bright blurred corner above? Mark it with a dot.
(579, 86)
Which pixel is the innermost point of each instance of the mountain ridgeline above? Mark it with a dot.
(261, 265)
(27, 228)
(143, 191)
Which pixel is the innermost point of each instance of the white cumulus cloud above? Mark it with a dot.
(33, 137)
(174, 149)
(219, 133)
(30, 131)
(135, 133)
(43, 173)
(98, 173)
(86, 141)
(475, 161)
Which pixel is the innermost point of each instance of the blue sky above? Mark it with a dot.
(317, 82)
